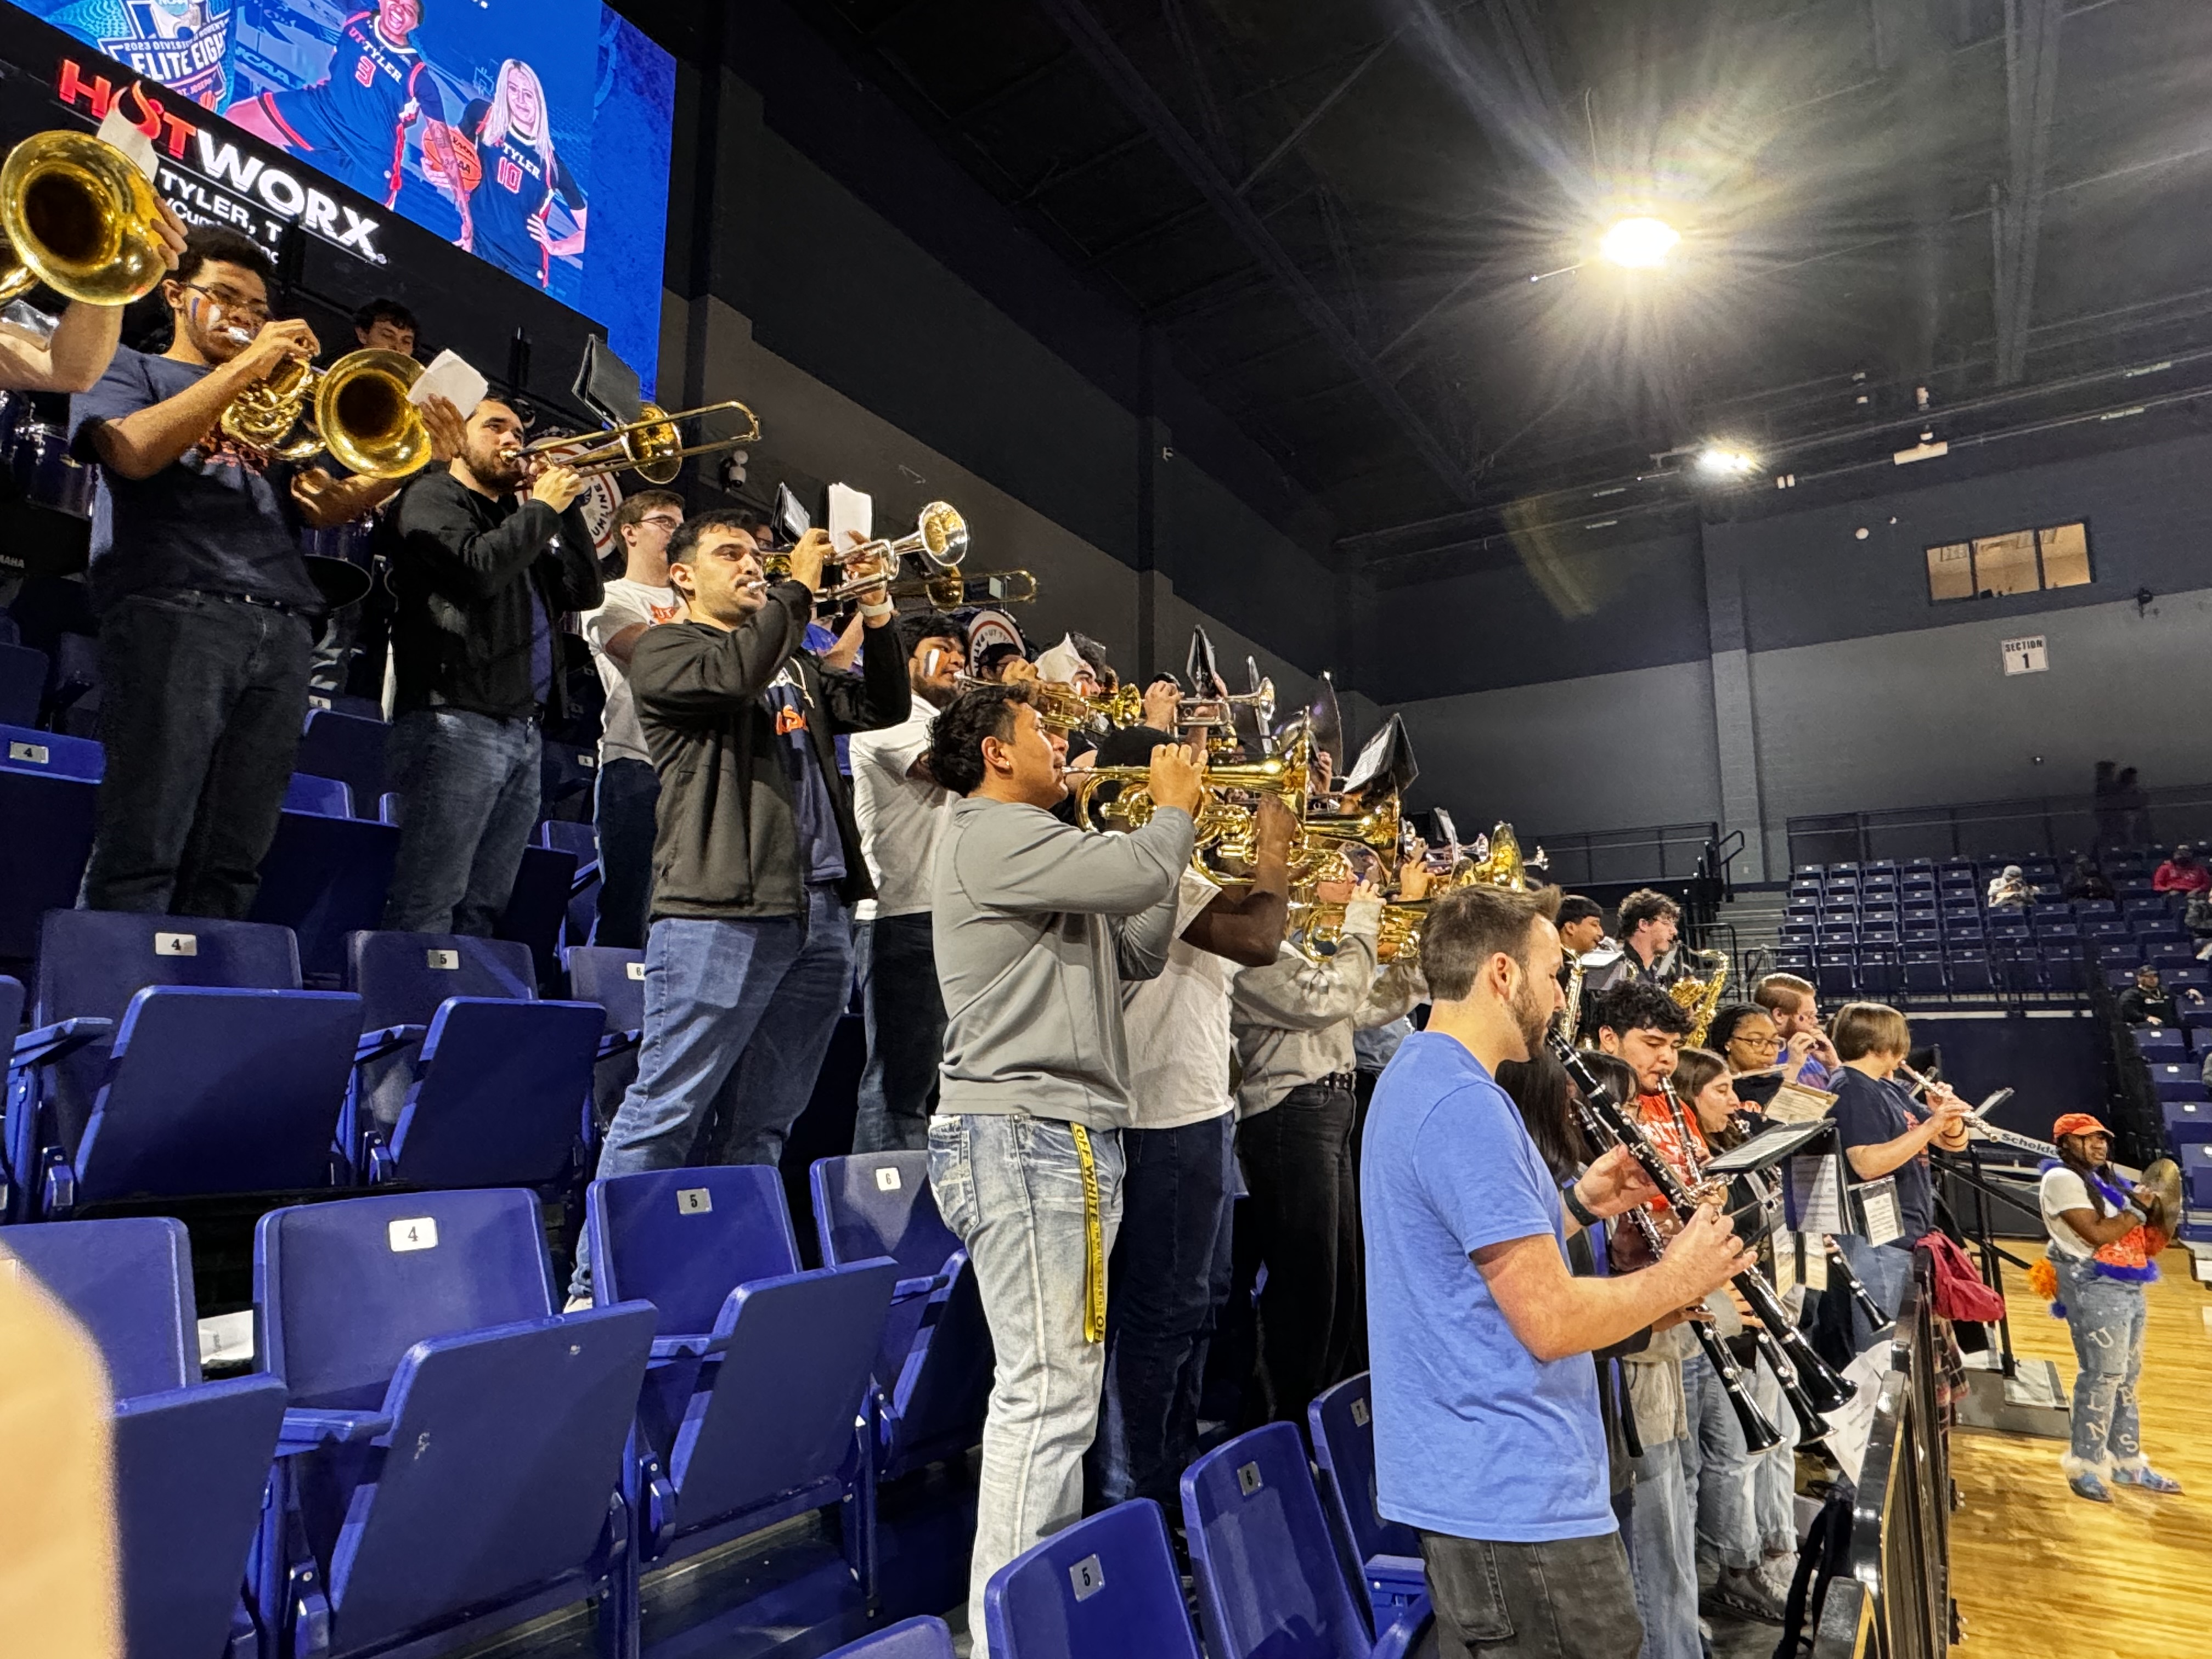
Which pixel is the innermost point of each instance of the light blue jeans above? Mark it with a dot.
(1885, 1270)
(738, 1015)
(1717, 1467)
(2107, 1318)
(1010, 1187)
(1663, 1550)
(1774, 1480)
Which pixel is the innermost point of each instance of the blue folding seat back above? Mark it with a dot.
(191, 1458)
(346, 747)
(343, 1290)
(1969, 972)
(1102, 1589)
(327, 797)
(682, 1239)
(2162, 1041)
(2188, 1123)
(49, 835)
(614, 979)
(564, 835)
(1269, 1580)
(24, 750)
(403, 978)
(129, 1282)
(1389, 1551)
(910, 1638)
(499, 1091)
(22, 682)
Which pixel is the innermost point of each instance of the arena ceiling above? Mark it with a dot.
(1366, 229)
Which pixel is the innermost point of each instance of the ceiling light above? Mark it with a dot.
(1638, 243)
(1720, 461)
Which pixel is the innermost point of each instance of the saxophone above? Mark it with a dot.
(1570, 1016)
(1700, 997)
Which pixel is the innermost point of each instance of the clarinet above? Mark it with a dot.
(1823, 1384)
(1855, 1288)
(1810, 1425)
(1760, 1434)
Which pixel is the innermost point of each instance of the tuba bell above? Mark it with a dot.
(357, 409)
(79, 216)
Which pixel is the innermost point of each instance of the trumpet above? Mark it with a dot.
(651, 446)
(79, 216)
(1226, 845)
(357, 409)
(939, 541)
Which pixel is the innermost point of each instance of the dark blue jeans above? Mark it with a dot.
(469, 791)
(1159, 1310)
(737, 1016)
(200, 711)
(629, 791)
(904, 1010)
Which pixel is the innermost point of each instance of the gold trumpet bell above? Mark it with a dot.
(364, 418)
(78, 215)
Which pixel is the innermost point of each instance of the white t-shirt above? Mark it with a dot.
(1177, 1027)
(902, 817)
(628, 603)
(2062, 1190)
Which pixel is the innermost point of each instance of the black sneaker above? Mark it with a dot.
(1744, 1594)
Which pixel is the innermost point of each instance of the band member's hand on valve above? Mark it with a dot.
(808, 555)
(558, 486)
(279, 340)
(1178, 777)
(1162, 704)
(1273, 827)
(448, 427)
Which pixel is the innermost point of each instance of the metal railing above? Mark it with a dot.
(2044, 825)
(1645, 856)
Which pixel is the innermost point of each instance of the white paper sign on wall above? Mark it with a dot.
(2025, 656)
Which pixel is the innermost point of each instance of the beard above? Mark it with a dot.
(1531, 1014)
(502, 470)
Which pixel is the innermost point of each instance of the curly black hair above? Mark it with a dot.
(956, 735)
(1638, 1004)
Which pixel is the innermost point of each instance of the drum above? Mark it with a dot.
(38, 459)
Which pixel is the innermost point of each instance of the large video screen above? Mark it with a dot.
(534, 133)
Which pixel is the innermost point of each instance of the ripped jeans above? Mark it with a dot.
(2107, 1318)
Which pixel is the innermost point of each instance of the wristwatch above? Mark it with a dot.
(1576, 1207)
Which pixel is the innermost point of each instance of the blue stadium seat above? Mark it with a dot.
(451, 1461)
(1102, 1589)
(2095, 909)
(536, 912)
(2176, 1080)
(2197, 1175)
(50, 753)
(760, 1369)
(616, 980)
(1270, 1582)
(934, 1371)
(1923, 971)
(1879, 972)
(326, 878)
(1969, 972)
(482, 1085)
(1837, 976)
(327, 797)
(2169, 953)
(2062, 971)
(48, 817)
(22, 682)
(179, 1057)
(2188, 1123)
(582, 843)
(2157, 1043)
(1389, 1551)
(910, 1638)
(346, 747)
(191, 1458)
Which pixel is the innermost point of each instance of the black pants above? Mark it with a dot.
(628, 794)
(1305, 1226)
(1568, 1599)
(895, 960)
(201, 703)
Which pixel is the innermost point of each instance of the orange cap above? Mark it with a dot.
(2077, 1123)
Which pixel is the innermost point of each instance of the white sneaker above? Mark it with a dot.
(577, 1304)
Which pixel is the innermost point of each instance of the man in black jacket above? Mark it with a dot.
(756, 860)
(482, 577)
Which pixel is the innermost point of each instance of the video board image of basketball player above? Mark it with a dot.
(501, 168)
(353, 124)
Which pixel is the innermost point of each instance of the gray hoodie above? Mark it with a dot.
(1036, 923)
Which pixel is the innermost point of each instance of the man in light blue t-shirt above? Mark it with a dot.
(1487, 1436)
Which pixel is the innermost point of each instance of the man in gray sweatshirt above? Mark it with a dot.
(1035, 925)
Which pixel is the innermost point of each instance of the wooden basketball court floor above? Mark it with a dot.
(2038, 1571)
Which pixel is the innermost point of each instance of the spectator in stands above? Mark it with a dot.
(1649, 924)
(2185, 872)
(207, 612)
(756, 857)
(2148, 1002)
(2009, 890)
(2098, 1268)
(1488, 1436)
(1885, 1135)
(483, 574)
(1037, 924)
(2085, 881)
(1807, 1056)
(902, 810)
(626, 787)
(386, 324)
(1294, 1020)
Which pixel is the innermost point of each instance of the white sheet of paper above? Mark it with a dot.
(849, 510)
(117, 129)
(450, 377)
(1794, 1102)
(1878, 1209)
(1816, 1199)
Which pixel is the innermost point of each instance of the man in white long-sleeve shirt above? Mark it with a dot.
(1293, 1021)
(1035, 924)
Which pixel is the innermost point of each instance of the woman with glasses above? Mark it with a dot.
(1744, 1035)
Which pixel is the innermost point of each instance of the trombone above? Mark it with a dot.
(357, 409)
(78, 215)
(651, 446)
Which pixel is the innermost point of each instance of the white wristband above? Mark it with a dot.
(879, 610)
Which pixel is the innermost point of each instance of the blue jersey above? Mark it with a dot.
(517, 187)
(349, 119)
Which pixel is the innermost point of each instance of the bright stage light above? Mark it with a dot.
(1720, 461)
(1639, 243)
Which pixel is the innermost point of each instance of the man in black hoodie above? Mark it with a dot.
(481, 575)
(756, 859)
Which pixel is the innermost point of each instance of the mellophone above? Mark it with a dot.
(1810, 1382)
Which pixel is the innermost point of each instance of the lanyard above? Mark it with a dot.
(1094, 1242)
